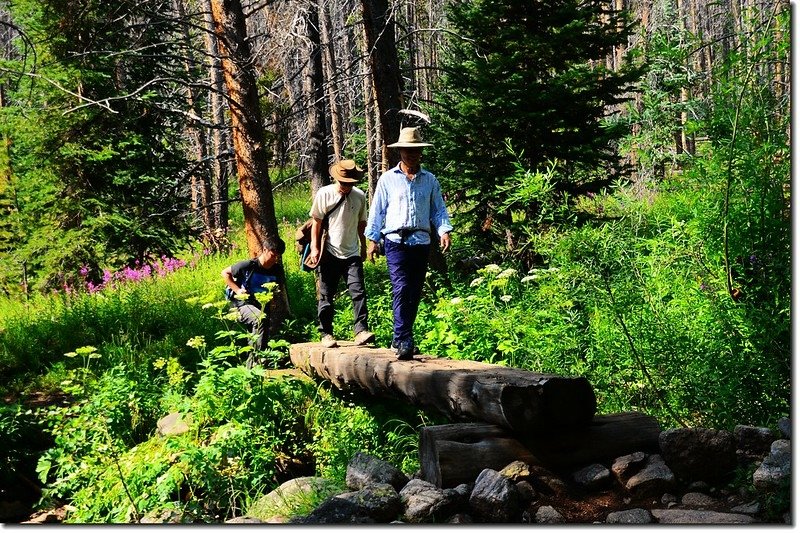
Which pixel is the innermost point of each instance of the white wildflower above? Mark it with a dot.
(476, 282)
(507, 273)
(456, 301)
(506, 298)
(526, 279)
(492, 269)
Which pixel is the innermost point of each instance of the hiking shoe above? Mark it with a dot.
(395, 346)
(405, 351)
(364, 337)
(329, 341)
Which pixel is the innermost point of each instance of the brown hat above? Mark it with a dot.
(346, 171)
(409, 138)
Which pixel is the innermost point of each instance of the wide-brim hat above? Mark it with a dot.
(346, 171)
(409, 138)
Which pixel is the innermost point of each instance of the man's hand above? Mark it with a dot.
(314, 256)
(372, 251)
(444, 242)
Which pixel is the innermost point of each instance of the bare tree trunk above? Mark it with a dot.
(221, 139)
(331, 82)
(317, 150)
(260, 225)
(201, 176)
(371, 133)
(385, 69)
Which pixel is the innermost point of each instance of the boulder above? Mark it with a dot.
(698, 500)
(297, 492)
(365, 469)
(494, 498)
(752, 443)
(654, 478)
(626, 466)
(699, 453)
(776, 469)
(374, 503)
(629, 516)
(548, 515)
(174, 424)
(420, 501)
(593, 477)
(692, 516)
(785, 427)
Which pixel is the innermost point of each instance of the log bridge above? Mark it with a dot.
(501, 414)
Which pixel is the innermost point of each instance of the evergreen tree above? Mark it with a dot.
(97, 169)
(534, 73)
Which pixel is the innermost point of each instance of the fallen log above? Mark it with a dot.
(521, 401)
(452, 454)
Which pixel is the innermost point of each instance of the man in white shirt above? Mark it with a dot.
(340, 209)
(406, 204)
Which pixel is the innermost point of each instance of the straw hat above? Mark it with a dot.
(409, 138)
(346, 171)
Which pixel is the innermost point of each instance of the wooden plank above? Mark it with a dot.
(520, 401)
(451, 454)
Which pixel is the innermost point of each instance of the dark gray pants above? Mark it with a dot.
(330, 271)
(251, 316)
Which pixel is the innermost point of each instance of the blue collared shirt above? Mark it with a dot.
(401, 203)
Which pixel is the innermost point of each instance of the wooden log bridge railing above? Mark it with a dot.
(523, 402)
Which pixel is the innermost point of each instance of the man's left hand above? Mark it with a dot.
(444, 242)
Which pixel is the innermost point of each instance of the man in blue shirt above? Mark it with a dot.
(406, 204)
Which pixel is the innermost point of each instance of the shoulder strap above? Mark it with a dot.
(334, 208)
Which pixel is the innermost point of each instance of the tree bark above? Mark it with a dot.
(317, 149)
(260, 224)
(220, 136)
(385, 68)
(524, 402)
(456, 453)
(331, 82)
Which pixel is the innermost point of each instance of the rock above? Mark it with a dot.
(668, 498)
(517, 471)
(655, 477)
(365, 469)
(290, 495)
(168, 516)
(374, 503)
(698, 500)
(776, 469)
(691, 516)
(174, 424)
(699, 453)
(420, 501)
(624, 467)
(494, 498)
(698, 486)
(244, 520)
(548, 515)
(629, 516)
(752, 443)
(593, 477)
(460, 518)
(747, 508)
(785, 427)
(526, 492)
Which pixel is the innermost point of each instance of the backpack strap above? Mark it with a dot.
(334, 208)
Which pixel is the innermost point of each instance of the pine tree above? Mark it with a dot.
(534, 73)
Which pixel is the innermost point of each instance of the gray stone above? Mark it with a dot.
(629, 516)
(654, 478)
(699, 453)
(374, 503)
(420, 499)
(698, 500)
(691, 516)
(526, 491)
(548, 515)
(747, 508)
(668, 498)
(776, 469)
(174, 424)
(294, 493)
(494, 498)
(752, 443)
(593, 477)
(168, 516)
(785, 427)
(365, 469)
(626, 466)
(460, 518)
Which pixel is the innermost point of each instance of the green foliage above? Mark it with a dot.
(534, 73)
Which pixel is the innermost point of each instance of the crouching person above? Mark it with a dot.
(244, 280)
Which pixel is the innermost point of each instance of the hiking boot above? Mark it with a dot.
(395, 346)
(405, 351)
(364, 337)
(329, 341)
